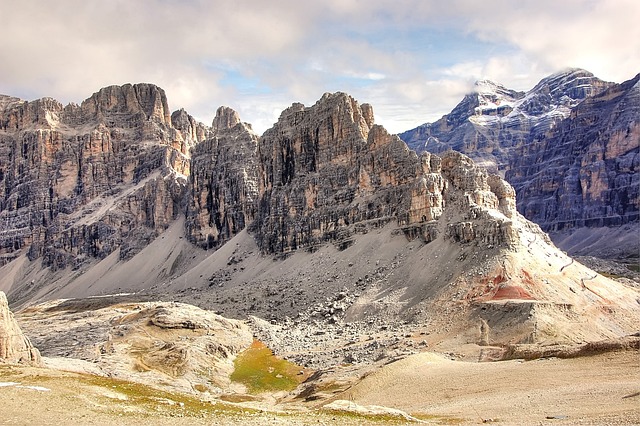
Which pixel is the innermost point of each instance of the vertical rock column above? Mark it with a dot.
(14, 345)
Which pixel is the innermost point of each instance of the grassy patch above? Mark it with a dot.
(610, 275)
(440, 420)
(158, 401)
(635, 267)
(261, 371)
(387, 419)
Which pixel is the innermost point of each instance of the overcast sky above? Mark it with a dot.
(413, 60)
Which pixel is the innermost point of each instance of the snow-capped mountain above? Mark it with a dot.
(569, 146)
(492, 119)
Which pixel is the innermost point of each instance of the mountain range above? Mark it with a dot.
(570, 148)
(326, 216)
(326, 238)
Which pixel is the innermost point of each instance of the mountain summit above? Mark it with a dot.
(567, 146)
(326, 225)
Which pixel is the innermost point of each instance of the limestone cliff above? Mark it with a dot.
(492, 120)
(348, 226)
(569, 146)
(327, 171)
(84, 180)
(223, 182)
(584, 171)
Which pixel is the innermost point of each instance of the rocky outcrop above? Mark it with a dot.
(223, 182)
(327, 171)
(82, 181)
(349, 232)
(14, 345)
(175, 346)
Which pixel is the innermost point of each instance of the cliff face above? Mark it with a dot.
(224, 182)
(347, 224)
(569, 147)
(83, 181)
(584, 172)
(327, 172)
(80, 182)
(493, 120)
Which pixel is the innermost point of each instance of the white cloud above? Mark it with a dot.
(205, 54)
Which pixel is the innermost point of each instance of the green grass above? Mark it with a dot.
(152, 399)
(261, 371)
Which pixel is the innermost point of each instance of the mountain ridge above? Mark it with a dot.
(520, 137)
(326, 225)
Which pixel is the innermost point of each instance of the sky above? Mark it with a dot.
(412, 60)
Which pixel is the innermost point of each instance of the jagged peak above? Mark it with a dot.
(568, 72)
(567, 79)
(226, 118)
(487, 89)
(482, 86)
(140, 97)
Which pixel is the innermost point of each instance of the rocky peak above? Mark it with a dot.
(14, 345)
(489, 93)
(225, 118)
(42, 113)
(561, 90)
(584, 172)
(324, 172)
(145, 99)
(79, 182)
(192, 131)
(224, 182)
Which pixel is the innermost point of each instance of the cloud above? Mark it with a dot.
(412, 60)
(600, 36)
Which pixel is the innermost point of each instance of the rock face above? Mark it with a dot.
(488, 123)
(82, 181)
(584, 172)
(327, 171)
(569, 147)
(223, 182)
(326, 225)
(14, 346)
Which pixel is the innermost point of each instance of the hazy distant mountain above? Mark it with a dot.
(569, 146)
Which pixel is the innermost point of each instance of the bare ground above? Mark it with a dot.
(594, 390)
(600, 389)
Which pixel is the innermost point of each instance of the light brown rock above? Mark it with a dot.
(15, 347)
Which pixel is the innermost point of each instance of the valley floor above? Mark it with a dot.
(595, 390)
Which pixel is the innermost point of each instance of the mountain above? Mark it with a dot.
(80, 182)
(569, 147)
(584, 172)
(338, 242)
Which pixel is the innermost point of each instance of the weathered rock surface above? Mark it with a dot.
(584, 172)
(171, 345)
(358, 247)
(83, 181)
(488, 123)
(327, 172)
(569, 147)
(14, 345)
(223, 182)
